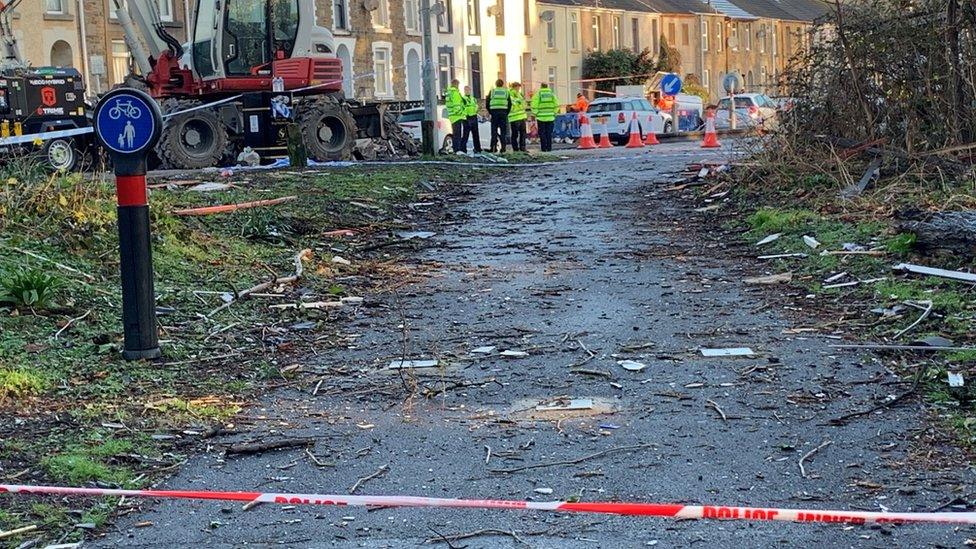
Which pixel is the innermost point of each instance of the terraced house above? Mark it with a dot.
(476, 41)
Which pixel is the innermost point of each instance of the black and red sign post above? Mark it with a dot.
(128, 123)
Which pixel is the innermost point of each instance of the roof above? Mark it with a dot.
(726, 7)
(789, 10)
(803, 10)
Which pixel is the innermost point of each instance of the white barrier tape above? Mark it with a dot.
(666, 510)
(45, 136)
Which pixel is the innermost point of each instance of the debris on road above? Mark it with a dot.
(514, 354)
(208, 210)
(259, 447)
(932, 271)
(412, 235)
(562, 405)
(780, 278)
(811, 241)
(731, 351)
(783, 256)
(412, 364)
(632, 365)
(808, 455)
(769, 239)
(487, 349)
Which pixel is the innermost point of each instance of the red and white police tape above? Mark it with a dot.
(614, 508)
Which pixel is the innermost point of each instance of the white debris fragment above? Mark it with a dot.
(811, 241)
(487, 349)
(955, 380)
(514, 354)
(398, 364)
(562, 405)
(732, 351)
(338, 260)
(769, 239)
(545, 491)
(632, 365)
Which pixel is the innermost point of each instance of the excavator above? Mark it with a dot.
(218, 91)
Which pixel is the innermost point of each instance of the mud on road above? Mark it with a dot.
(579, 266)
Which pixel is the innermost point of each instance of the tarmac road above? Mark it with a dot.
(564, 264)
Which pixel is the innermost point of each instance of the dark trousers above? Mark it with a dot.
(518, 135)
(499, 130)
(545, 134)
(471, 130)
(457, 134)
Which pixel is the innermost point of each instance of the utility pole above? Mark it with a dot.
(430, 91)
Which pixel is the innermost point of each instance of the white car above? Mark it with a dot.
(616, 113)
(411, 119)
(756, 106)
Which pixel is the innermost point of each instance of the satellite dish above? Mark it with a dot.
(493, 11)
(371, 5)
(732, 43)
(438, 9)
(548, 16)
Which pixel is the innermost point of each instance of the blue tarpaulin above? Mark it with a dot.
(567, 125)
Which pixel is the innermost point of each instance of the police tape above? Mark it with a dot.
(664, 510)
(44, 136)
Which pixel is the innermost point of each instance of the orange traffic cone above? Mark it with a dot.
(605, 137)
(711, 137)
(651, 137)
(586, 134)
(635, 138)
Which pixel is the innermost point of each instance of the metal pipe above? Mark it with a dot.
(132, 39)
(83, 30)
(430, 92)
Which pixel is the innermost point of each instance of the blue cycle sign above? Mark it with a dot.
(127, 121)
(670, 84)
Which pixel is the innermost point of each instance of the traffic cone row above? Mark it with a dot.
(605, 137)
(711, 136)
(586, 134)
(635, 137)
(651, 137)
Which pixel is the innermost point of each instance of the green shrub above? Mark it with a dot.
(34, 288)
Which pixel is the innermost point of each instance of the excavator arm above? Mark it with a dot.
(11, 53)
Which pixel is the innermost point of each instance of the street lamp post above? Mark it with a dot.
(430, 92)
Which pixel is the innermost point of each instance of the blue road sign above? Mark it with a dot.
(671, 84)
(126, 122)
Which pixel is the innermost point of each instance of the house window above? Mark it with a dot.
(720, 36)
(445, 65)
(574, 31)
(411, 16)
(762, 38)
(685, 35)
(501, 67)
(340, 15)
(474, 17)
(499, 10)
(706, 77)
(775, 44)
(616, 32)
(763, 76)
(382, 71)
(672, 35)
(552, 77)
(595, 30)
(381, 17)
(704, 34)
(654, 37)
(165, 10)
(445, 21)
(635, 34)
(735, 37)
(526, 16)
(574, 78)
(56, 7)
(120, 61)
(551, 35)
(748, 32)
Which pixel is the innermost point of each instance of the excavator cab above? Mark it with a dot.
(240, 45)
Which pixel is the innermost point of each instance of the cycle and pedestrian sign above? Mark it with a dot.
(127, 122)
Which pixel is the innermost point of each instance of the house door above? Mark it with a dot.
(474, 66)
